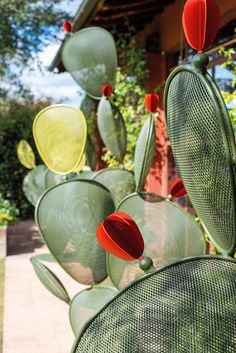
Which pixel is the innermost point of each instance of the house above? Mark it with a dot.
(159, 27)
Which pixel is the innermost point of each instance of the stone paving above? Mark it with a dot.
(34, 320)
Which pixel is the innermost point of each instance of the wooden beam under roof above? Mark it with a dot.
(132, 21)
(86, 13)
(120, 18)
(123, 3)
(132, 6)
(120, 25)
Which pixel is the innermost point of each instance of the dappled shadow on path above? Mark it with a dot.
(23, 238)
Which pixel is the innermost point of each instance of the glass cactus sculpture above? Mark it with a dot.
(141, 228)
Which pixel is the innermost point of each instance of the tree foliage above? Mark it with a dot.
(8, 212)
(16, 119)
(26, 26)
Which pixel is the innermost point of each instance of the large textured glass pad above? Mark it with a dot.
(86, 303)
(187, 307)
(119, 182)
(169, 234)
(90, 57)
(202, 140)
(60, 135)
(68, 216)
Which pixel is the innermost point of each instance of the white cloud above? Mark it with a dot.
(70, 6)
(61, 87)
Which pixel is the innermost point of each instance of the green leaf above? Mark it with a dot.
(144, 152)
(112, 129)
(50, 280)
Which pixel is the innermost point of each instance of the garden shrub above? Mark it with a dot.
(15, 124)
(8, 212)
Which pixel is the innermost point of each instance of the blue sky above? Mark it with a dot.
(47, 84)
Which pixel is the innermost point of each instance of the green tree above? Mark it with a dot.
(16, 119)
(26, 26)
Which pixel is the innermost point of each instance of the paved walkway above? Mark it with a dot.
(34, 320)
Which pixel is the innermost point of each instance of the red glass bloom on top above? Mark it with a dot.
(152, 101)
(67, 26)
(177, 188)
(106, 90)
(201, 19)
(119, 235)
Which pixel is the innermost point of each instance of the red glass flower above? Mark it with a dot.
(67, 26)
(201, 19)
(177, 188)
(152, 101)
(107, 90)
(119, 235)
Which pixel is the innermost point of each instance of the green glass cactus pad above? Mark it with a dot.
(68, 215)
(112, 129)
(45, 257)
(53, 179)
(34, 183)
(88, 105)
(49, 280)
(169, 234)
(86, 174)
(119, 182)
(25, 154)
(81, 164)
(90, 57)
(60, 133)
(144, 152)
(90, 153)
(204, 149)
(188, 306)
(86, 303)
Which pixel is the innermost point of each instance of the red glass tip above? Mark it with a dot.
(201, 20)
(152, 101)
(120, 236)
(67, 26)
(177, 188)
(106, 90)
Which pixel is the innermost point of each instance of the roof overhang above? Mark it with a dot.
(112, 13)
(82, 17)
